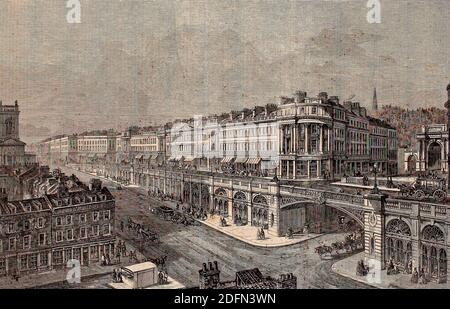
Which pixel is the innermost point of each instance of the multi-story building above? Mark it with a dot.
(320, 138)
(41, 233)
(301, 137)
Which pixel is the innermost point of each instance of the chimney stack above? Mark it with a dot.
(204, 267)
(216, 266)
(210, 266)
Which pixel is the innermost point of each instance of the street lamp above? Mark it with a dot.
(375, 189)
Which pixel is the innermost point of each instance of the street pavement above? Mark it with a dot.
(188, 247)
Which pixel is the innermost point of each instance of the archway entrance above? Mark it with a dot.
(398, 243)
(316, 218)
(411, 164)
(434, 156)
(434, 254)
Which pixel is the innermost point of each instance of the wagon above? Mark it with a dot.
(426, 188)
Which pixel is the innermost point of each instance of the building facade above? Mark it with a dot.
(43, 233)
(300, 138)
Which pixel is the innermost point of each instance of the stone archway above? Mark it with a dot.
(318, 217)
(434, 156)
(434, 253)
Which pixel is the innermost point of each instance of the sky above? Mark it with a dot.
(142, 62)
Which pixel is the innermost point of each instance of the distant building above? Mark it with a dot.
(12, 149)
(375, 100)
(433, 148)
(209, 278)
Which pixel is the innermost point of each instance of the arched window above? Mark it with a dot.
(398, 227)
(240, 196)
(433, 233)
(9, 124)
(442, 261)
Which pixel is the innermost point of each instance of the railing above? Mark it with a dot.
(314, 193)
(427, 209)
(398, 204)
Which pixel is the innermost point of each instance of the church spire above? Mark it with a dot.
(375, 100)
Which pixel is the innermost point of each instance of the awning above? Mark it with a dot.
(226, 160)
(254, 161)
(240, 160)
(91, 155)
(138, 157)
(147, 157)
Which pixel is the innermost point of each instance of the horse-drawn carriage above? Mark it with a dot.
(426, 187)
(142, 231)
(351, 243)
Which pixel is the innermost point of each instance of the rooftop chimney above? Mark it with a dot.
(323, 96)
(300, 96)
(216, 266)
(210, 265)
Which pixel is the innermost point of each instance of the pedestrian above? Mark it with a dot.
(118, 256)
(103, 259)
(108, 260)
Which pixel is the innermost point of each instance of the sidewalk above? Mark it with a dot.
(247, 234)
(347, 268)
(60, 275)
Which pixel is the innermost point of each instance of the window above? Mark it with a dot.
(23, 262)
(57, 257)
(11, 228)
(69, 234)
(42, 238)
(43, 259)
(26, 225)
(314, 110)
(33, 260)
(83, 218)
(27, 242)
(12, 244)
(69, 220)
(106, 229)
(95, 216)
(1, 246)
(95, 230)
(40, 223)
(83, 233)
(59, 236)
(107, 214)
(58, 221)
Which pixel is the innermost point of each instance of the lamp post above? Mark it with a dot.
(447, 106)
(375, 189)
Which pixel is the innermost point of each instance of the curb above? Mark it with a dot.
(252, 243)
(333, 269)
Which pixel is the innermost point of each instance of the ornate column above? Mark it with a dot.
(275, 224)
(307, 138)
(374, 233)
(321, 139)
